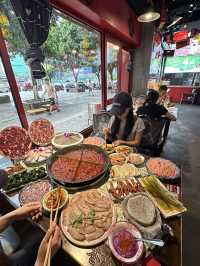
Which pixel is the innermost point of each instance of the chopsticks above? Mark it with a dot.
(50, 224)
(51, 214)
(47, 261)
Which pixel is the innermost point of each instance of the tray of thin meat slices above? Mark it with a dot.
(162, 168)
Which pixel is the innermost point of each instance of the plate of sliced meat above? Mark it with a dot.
(41, 132)
(94, 141)
(34, 191)
(15, 169)
(88, 217)
(163, 168)
(78, 165)
(119, 189)
(38, 155)
(15, 142)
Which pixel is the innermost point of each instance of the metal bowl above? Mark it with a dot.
(64, 151)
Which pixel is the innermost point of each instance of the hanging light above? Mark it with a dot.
(149, 15)
(176, 20)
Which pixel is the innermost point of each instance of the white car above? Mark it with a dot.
(4, 87)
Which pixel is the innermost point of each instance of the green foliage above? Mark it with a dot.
(72, 45)
(17, 43)
(69, 44)
(112, 61)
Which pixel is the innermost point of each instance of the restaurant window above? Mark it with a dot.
(8, 111)
(179, 79)
(112, 69)
(181, 70)
(72, 63)
(196, 79)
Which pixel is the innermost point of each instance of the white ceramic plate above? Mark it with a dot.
(86, 243)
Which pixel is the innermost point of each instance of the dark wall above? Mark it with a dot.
(142, 60)
(120, 15)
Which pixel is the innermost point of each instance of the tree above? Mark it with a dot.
(96, 69)
(93, 54)
(111, 66)
(69, 45)
(64, 43)
(112, 61)
(14, 35)
(50, 69)
(72, 45)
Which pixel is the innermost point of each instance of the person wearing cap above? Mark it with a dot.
(151, 109)
(124, 127)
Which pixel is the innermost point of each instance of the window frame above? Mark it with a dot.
(104, 38)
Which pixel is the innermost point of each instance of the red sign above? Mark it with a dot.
(180, 36)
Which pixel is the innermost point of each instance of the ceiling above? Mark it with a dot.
(175, 8)
(188, 9)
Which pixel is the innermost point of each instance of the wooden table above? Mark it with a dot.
(169, 255)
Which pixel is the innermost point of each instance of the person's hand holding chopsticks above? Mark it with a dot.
(54, 231)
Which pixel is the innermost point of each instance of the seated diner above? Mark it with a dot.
(124, 127)
(163, 95)
(95, 184)
(151, 109)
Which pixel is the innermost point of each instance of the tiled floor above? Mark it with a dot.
(183, 147)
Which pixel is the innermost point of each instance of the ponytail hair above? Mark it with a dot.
(152, 97)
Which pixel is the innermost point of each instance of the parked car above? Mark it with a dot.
(96, 86)
(82, 87)
(58, 87)
(69, 85)
(4, 86)
(4, 89)
(39, 87)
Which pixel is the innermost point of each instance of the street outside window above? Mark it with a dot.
(72, 65)
(112, 69)
(8, 110)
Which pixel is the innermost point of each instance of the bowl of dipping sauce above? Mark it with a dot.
(66, 139)
(53, 197)
(123, 244)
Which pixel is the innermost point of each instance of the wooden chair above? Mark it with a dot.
(100, 120)
(155, 135)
